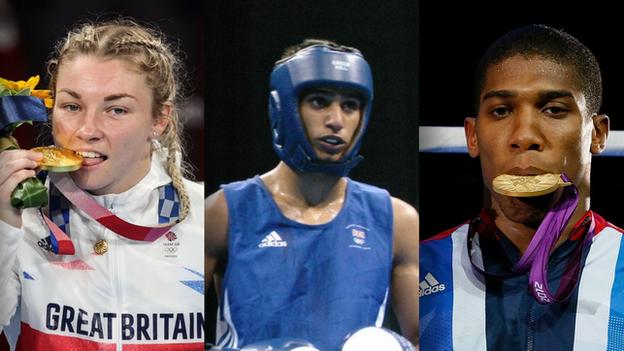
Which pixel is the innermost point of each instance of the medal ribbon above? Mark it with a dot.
(61, 242)
(535, 258)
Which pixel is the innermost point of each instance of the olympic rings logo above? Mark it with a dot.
(171, 249)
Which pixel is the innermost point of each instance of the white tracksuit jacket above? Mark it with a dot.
(137, 296)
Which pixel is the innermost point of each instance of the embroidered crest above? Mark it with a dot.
(359, 235)
(171, 246)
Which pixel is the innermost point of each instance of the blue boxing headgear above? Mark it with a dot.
(315, 66)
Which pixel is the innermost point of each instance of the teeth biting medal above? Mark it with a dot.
(528, 186)
(58, 160)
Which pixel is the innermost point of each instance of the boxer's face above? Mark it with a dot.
(331, 119)
(103, 109)
(532, 120)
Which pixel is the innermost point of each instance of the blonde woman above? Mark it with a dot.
(125, 272)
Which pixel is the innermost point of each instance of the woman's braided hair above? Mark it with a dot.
(147, 49)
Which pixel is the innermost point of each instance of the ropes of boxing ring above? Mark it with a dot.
(453, 140)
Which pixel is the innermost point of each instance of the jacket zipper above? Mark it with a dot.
(116, 291)
(530, 345)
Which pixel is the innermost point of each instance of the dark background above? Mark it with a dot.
(30, 29)
(453, 38)
(245, 38)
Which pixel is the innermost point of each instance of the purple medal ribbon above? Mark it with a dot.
(535, 258)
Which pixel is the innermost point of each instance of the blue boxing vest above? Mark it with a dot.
(294, 280)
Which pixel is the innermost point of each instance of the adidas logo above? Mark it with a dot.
(273, 240)
(429, 286)
(46, 244)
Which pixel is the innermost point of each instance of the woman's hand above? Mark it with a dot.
(15, 166)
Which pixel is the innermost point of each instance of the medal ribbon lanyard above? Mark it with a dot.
(535, 258)
(86, 203)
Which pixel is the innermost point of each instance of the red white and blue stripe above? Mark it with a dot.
(472, 312)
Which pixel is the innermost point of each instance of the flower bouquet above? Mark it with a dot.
(21, 103)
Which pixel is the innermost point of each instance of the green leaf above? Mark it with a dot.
(23, 92)
(29, 193)
(8, 143)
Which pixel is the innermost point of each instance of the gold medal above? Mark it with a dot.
(58, 159)
(527, 186)
(101, 247)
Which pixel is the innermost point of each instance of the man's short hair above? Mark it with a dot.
(538, 40)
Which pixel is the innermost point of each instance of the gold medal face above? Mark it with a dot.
(527, 186)
(58, 160)
(101, 247)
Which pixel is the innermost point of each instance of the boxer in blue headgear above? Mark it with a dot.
(317, 65)
(302, 251)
